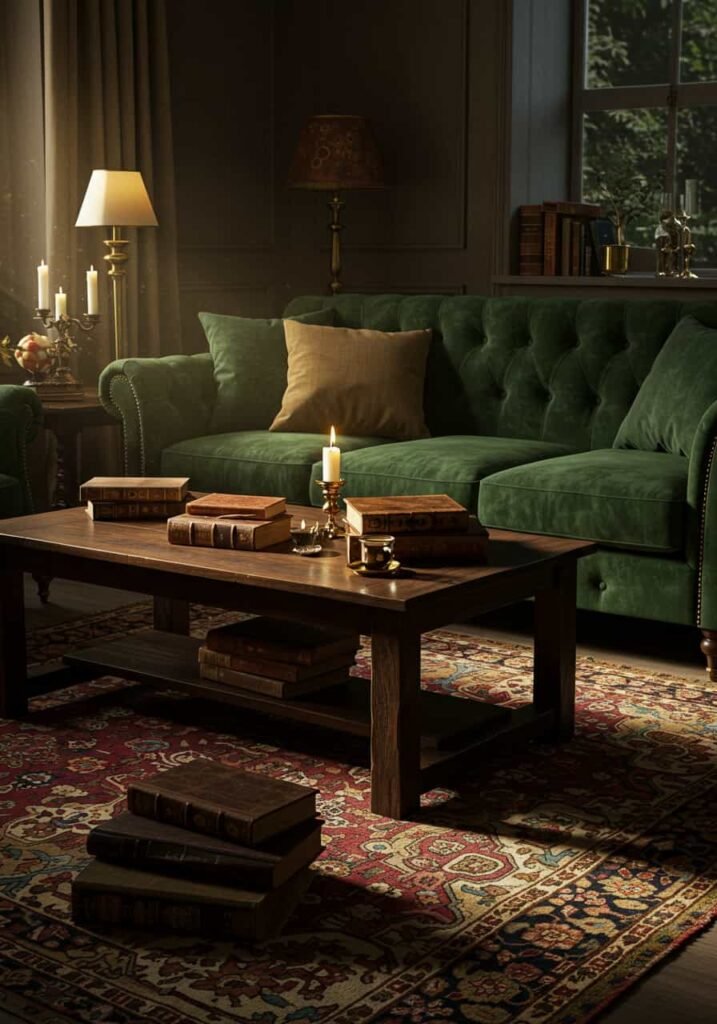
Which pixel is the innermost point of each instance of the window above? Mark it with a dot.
(646, 102)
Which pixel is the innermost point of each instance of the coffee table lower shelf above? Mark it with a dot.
(455, 732)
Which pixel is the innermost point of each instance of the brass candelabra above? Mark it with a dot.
(331, 490)
(60, 383)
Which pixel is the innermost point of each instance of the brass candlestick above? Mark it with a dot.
(687, 246)
(331, 490)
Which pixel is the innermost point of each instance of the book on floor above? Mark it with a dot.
(114, 894)
(281, 640)
(134, 488)
(407, 513)
(212, 798)
(166, 849)
(281, 688)
(250, 506)
(232, 534)
(469, 548)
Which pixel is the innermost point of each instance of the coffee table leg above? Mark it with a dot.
(395, 728)
(554, 672)
(170, 615)
(13, 664)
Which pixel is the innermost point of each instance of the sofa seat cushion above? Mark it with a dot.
(253, 462)
(628, 499)
(11, 503)
(438, 465)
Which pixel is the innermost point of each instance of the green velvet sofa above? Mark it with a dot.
(524, 399)
(20, 418)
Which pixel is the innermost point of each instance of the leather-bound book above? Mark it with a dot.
(113, 894)
(282, 670)
(279, 688)
(153, 846)
(109, 511)
(469, 548)
(530, 236)
(251, 506)
(233, 534)
(209, 797)
(281, 640)
(134, 488)
(406, 513)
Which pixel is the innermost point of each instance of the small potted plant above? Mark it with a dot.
(624, 196)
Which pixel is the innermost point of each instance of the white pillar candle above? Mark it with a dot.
(691, 196)
(43, 286)
(60, 304)
(92, 291)
(331, 459)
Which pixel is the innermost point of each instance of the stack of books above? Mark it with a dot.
(204, 849)
(249, 522)
(276, 657)
(559, 239)
(111, 498)
(426, 527)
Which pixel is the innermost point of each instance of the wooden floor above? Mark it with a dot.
(684, 989)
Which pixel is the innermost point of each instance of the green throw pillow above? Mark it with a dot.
(250, 367)
(678, 390)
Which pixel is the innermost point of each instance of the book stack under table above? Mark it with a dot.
(110, 498)
(204, 849)
(277, 657)
(426, 528)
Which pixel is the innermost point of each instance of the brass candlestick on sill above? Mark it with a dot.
(331, 491)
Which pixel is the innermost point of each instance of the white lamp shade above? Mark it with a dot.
(117, 198)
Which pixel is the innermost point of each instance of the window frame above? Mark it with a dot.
(673, 94)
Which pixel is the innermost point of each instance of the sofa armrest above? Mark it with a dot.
(702, 500)
(20, 419)
(159, 401)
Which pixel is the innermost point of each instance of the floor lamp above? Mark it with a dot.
(336, 152)
(116, 199)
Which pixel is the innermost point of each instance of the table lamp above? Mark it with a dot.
(336, 152)
(116, 199)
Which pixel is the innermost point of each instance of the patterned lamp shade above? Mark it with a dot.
(336, 152)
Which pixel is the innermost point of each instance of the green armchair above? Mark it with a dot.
(20, 418)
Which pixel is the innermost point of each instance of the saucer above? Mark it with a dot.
(360, 569)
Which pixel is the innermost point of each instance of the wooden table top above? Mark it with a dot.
(144, 545)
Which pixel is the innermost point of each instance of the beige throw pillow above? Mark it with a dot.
(365, 383)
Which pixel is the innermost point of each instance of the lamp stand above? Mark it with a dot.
(117, 257)
(335, 204)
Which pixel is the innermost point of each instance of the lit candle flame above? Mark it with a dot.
(332, 438)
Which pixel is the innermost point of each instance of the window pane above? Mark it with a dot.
(698, 62)
(696, 146)
(619, 148)
(628, 42)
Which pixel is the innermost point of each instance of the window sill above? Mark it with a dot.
(707, 279)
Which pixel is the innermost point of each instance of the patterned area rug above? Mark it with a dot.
(545, 885)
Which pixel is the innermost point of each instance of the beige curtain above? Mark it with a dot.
(107, 105)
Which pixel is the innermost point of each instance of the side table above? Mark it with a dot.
(67, 420)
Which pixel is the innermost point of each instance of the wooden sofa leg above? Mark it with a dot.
(708, 647)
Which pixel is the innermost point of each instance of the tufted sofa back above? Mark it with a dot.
(561, 370)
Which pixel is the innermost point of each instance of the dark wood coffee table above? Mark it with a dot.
(418, 739)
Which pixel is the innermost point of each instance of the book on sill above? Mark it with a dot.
(249, 506)
(134, 488)
(231, 534)
(290, 672)
(209, 797)
(410, 513)
(280, 688)
(117, 895)
(469, 548)
(111, 511)
(281, 640)
(166, 849)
